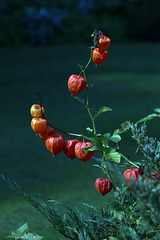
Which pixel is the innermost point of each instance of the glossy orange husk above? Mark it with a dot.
(36, 110)
(103, 186)
(98, 57)
(79, 151)
(103, 43)
(69, 147)
(131, 174)
(49, 131)
(54, 144)
(38, 125)
(76, 84)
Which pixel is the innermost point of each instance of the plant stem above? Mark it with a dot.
(89, 111)
(69, 134)
(130, 162)
(39, 95)
(78, 135)
(87, 101)
(90, 59)
(109, 174)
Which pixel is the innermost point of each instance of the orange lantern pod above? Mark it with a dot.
(79, 151)
(36, 110)
(98, 57)
(103, 186)
(54, 144)
(38, 125)
(131, 173)
(103, 43)
(49, 131)
(76, 84)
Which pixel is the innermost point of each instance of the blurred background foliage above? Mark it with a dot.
(43, 22)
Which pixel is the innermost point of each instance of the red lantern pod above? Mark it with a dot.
(69, 147)
(98, 57)
(79, 151)
(76, 84)
(131, 173)
(54, 144)
(103, 43)
(103, 186)
(49, 131)
(38, 125)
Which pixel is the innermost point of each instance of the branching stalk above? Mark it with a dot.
(130, 162)
(108, 173)
(87, 101)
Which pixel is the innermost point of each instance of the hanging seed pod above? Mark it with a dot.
(38, 125)
(131, 173)
(49, 131)
(103, 186)
(69, 147)
(37, 111)
(76, 84)
(103, 43)
(98, 57)
(54, 144)
(79, 151)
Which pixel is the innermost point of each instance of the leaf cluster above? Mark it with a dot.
(131, 215)
(71, 223)
(149, 146)
(24, 233)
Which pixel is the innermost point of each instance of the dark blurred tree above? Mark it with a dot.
(10, 24)
(142, 19)
(42, 22)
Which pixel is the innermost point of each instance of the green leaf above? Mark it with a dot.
(31, 236)
(112, 238)
(102, 110)
(123, 128)
(118, 214)
(113, 155)
(157, 110)
(89, 149)
(89, 129)
(149, 117)
(90, 85)
(107, 134)
(24, 233)
(104, 140)
(115, 138)
(97, 142)
(81, 100)
(19, 232)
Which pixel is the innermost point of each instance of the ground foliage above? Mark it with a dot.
(130, 215)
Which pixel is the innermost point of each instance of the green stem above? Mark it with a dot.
(90, 59)
(78, 135)
(130, 162)
(89, 111)
(69, 134)
(109, 174)
(87, 101)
